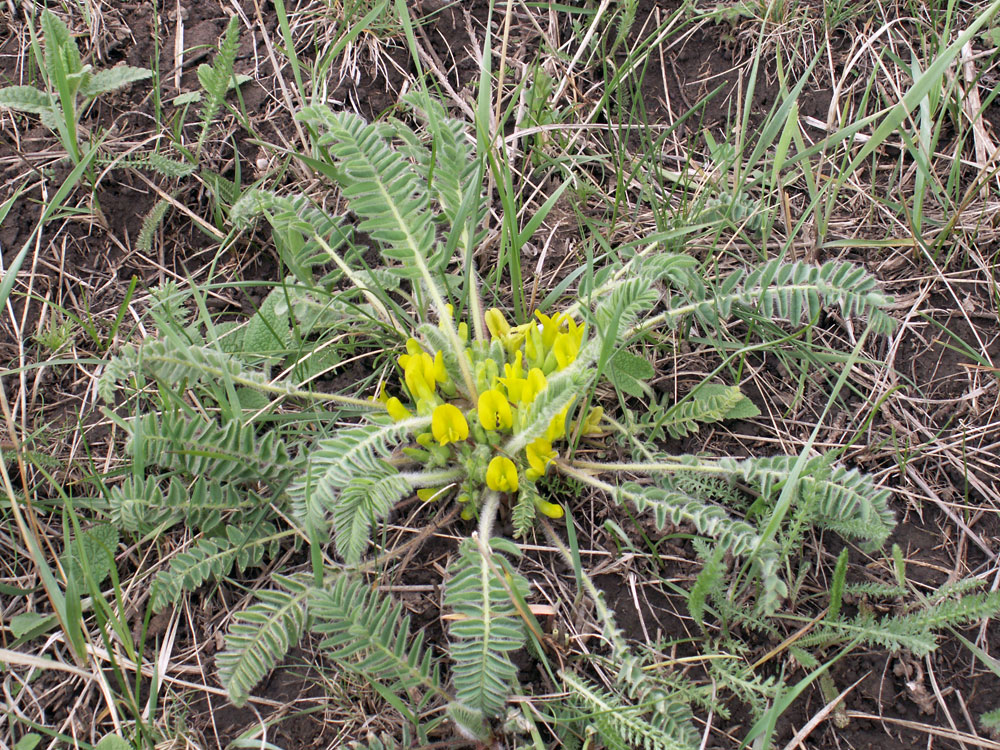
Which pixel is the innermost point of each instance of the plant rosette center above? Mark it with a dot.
(470, 431)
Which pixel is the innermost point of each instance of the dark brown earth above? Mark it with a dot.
(98, 260)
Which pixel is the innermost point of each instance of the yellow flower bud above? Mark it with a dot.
(494, 410)
(448, 424)
(549, 509)
(539, 454)
(495, 322)
(440, 373)
(396, 410)
(501, 475)
(430, 494)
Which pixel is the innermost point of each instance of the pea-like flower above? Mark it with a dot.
(396, 410)
(566, 347)
(535, 384)
(494, 410)
(515, 369)
(420, 375)
(557, 426)
(448, 424)
(501, 475)
(549, 509)
(550, 327)
(534, 349)
(539, 454)
(498, 326)
(523, 390)
(592, 424)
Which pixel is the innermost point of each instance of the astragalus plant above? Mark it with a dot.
(232, 437)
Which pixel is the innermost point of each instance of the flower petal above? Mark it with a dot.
(501, 475)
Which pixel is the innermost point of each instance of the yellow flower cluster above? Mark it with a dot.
(510, 372)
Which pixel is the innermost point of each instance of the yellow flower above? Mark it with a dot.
(557, 427)
(515, 370)
(550, 327)
(420, 375)
(412, 349)
(501, 475)
(499, 328)
(574, 330)
(539, 454)
(448, 424)
(533, 348)
(592, 424)
(440, 374)
(549, 509)
(396, 410)
(523, 390)
(535, 384)
(514, 380)
(494, 410)
(566, 347)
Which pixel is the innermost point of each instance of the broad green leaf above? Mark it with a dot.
(268, 331)
(191, 97)
(627, 371)
(26, 99)
(251, 399)
(24, 623)
(28, 742)
(98, 544)
(62, 58)
(113, 78)
(50, 118)
(113, 742)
